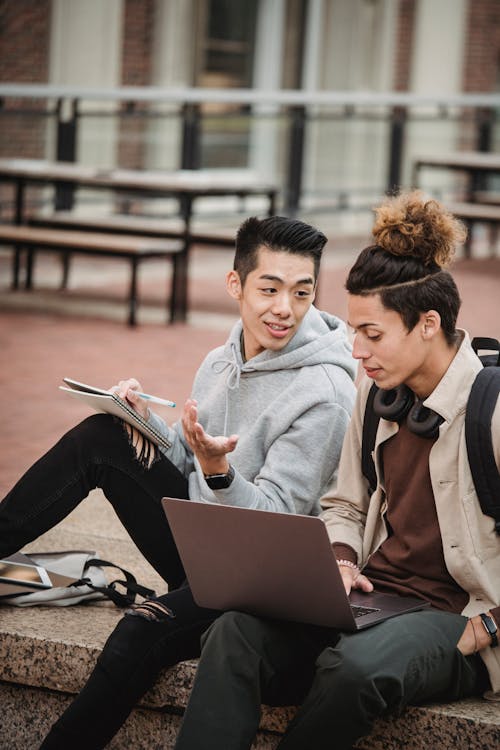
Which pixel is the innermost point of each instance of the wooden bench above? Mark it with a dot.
(145, 226)
(487, 196)
(477, 213)
(129, 224)
(133, 224)
(133, 249)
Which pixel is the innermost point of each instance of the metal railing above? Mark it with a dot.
(326, 150)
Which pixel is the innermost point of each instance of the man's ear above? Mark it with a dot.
(430, 323)
(233, 284)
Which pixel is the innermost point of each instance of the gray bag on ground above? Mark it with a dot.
(83, 579)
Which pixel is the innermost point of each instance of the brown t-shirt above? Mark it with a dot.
(411, 560)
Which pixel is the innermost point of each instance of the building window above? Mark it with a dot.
(225, 59)
(226, 47)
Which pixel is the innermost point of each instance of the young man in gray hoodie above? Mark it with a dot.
(263, 429)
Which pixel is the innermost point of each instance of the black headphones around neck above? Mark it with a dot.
(398, 403)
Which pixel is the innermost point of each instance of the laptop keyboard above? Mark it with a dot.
(358, 611)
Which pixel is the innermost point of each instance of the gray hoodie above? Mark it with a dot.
(290, 409)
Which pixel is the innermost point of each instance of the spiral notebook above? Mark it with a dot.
(111, 403)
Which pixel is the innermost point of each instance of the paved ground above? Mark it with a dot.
(46, 335)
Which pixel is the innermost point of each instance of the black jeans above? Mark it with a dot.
(97, 453)
(130, 662)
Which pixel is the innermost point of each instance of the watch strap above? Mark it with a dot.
(491, 628)
(220, 481)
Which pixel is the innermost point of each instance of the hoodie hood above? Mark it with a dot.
(289, 408)
(320, 339)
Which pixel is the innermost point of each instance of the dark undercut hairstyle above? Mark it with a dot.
(278, 234)
(415, 240)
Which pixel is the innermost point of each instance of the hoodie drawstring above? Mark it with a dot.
(232, 379)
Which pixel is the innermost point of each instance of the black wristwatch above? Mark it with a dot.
(220, 481)
(491, 628)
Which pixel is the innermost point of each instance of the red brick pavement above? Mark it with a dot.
(37, 349)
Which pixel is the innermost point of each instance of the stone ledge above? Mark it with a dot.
(46, 655)
(41, 671)
(471, 724)
(28, 713)
(55, 662)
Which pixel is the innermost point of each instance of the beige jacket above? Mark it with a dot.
(470, 543)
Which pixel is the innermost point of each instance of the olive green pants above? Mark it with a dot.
(343, 682)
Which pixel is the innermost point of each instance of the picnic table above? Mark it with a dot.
(474, 164)
(186, 186)
(477, 205)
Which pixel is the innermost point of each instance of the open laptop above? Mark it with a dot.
(275, 565)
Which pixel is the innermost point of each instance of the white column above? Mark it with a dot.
(174, 45)
(436, 68)
(85, 50)
(312, 74)
(437, 62)
(371, 62)
(354, 44)
(381, 28)
(267, 75)
(268, 61)
(311, 71)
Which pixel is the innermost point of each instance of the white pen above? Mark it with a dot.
(155, 399)
(148, 397)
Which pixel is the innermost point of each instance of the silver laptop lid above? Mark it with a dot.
(272, 564)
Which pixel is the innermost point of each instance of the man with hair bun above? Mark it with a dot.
(420, 532)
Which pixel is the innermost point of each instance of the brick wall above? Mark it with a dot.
(404, 44)
(24, 40)
(24, 56)
(138, 24)
(24, 50)
(482, 49)
(137, 42)
(481, 67)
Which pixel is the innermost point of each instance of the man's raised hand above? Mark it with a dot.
(210, 451)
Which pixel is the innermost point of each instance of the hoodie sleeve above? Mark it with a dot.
(298, 467)
(179, 453)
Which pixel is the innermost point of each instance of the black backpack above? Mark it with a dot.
(480, 406)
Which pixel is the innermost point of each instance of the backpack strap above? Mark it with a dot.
(480, 407)
(479, 343)
(370, 426)
(132, 588)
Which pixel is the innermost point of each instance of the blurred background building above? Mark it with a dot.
(331, 98)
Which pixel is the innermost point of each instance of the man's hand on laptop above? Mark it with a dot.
(353, 578)
(210, 451)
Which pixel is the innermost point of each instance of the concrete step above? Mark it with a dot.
(46, 655)
(28, 713)
(45, 672)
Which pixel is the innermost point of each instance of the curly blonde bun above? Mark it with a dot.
(410, 224)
